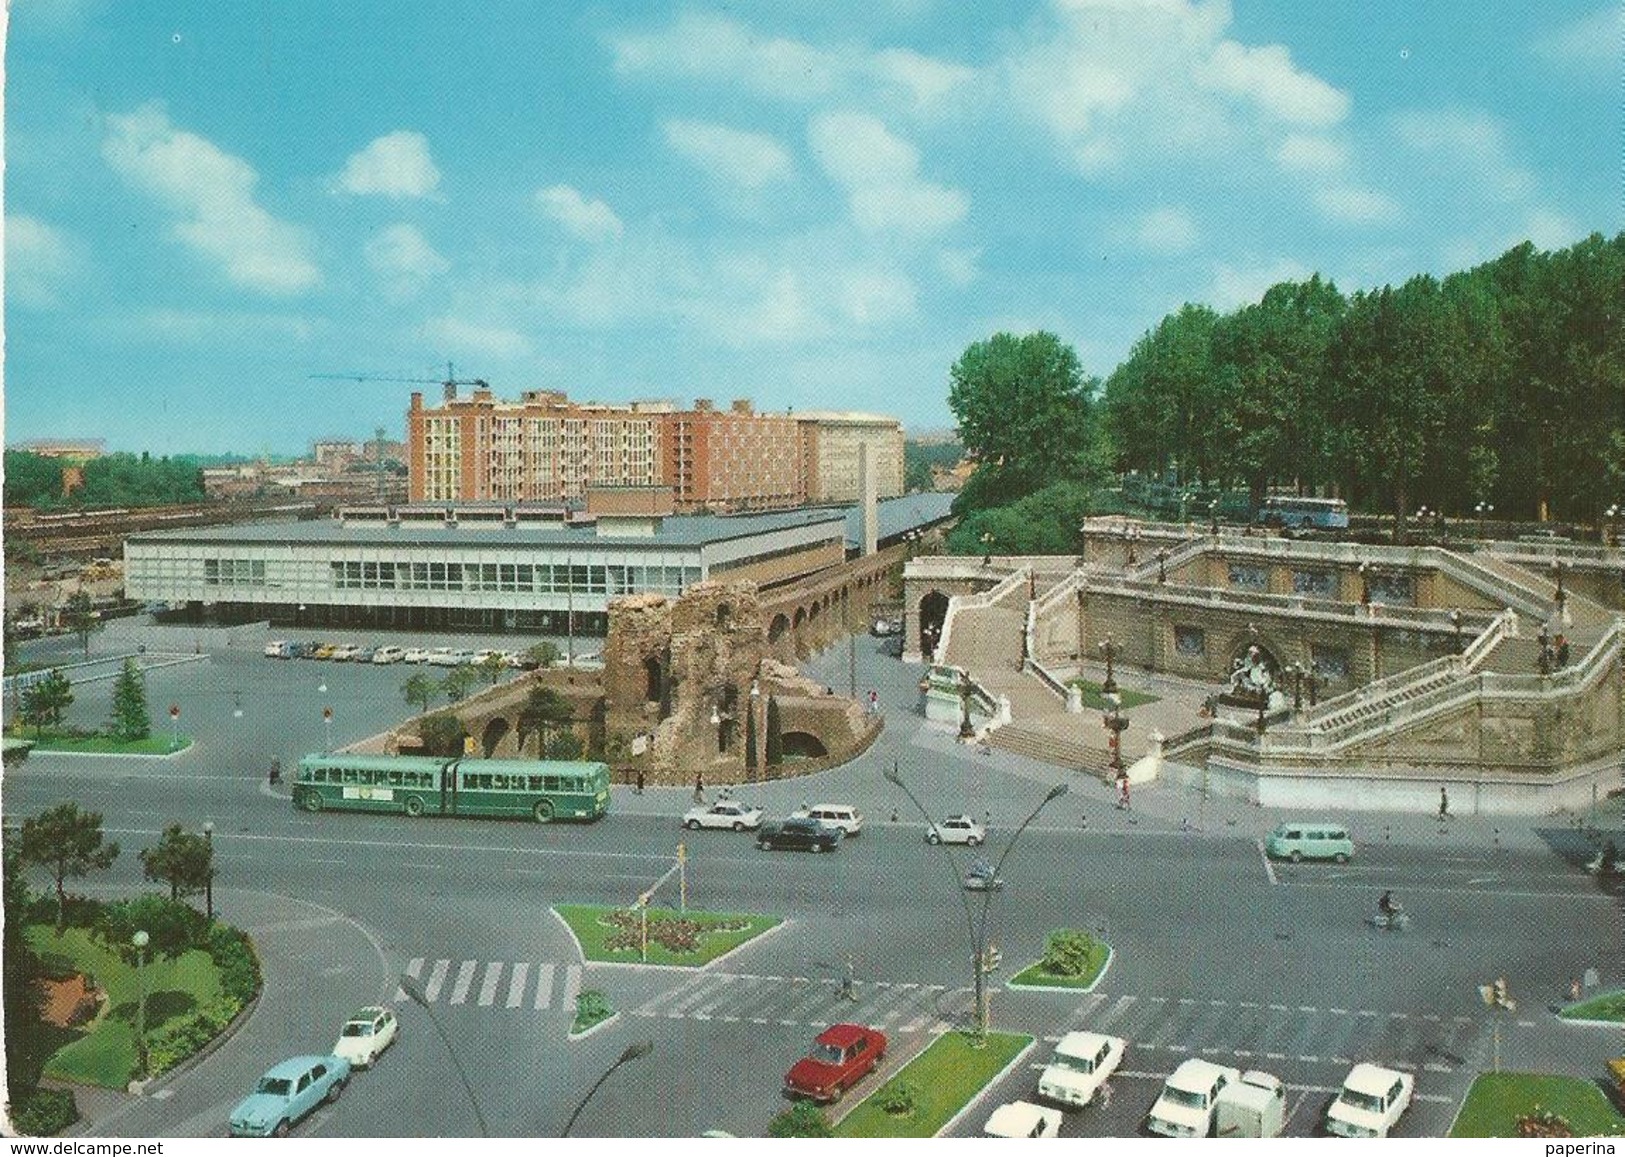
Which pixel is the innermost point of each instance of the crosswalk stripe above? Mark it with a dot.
(414, 969)
(465, 977)
(437, 980)
(572, 987)
(516, 984)
(1124, 1003)
(488, 986)
(544, 985)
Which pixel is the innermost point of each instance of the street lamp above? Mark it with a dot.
(1544, 663)
(208, 880)
(1455, 623)
(1558, 567)
(1162, 565)
(140, 940)
(1365, 584)
(1482, 509)
(965, 728)
(1213, 517)
(983, 960)
(1114, 723)
(1495, 995)
(414, 992)
(1295, 672)
(1422, 514)
(986, 540)
(1132, 535)
(1109, 649)
(630, 1053)
(1613, 514)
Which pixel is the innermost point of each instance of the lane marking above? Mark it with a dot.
(516, 984)
(437, 980)
(465, 977)
(544, 985)
(488, 986)
(1269, 868)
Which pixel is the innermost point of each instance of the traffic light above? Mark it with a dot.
(1501, 992)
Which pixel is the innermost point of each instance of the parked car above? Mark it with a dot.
(841, 1056)
(323, 650)
(1298, 841)
(837, 815)
(1023, 1119)
(287, 1094)
(364, 655)
(344, 652)
(884, 627)
(415, 655)
(1186, 1105)
(366, 1034)
(726, 813)
(388, 655)
(298, 650)
(1083, 1061)
(442, 657)
(1254, 1106)
(1370, 1102)
(956, 830)
(278, 649)
(799, 834)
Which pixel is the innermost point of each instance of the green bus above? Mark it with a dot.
(415, 785)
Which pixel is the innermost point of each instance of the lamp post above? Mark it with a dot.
(1132, 535)
(1455, 624)
(140, 940)
(983, 959)
(1295, 672)
(1422, 514)
(1162, 565)
(1312, 681)
(1213, 517)
(1115, 725)
(208, 880)
(965, 729)
(327, 726)
(1558, 567)
(1501, 1003)
(414, 992)
(1365, 584)
(1483, 509)
(986, 540)
(1613, 514)
(631, 1053)
(756, 726)
(1109, 650)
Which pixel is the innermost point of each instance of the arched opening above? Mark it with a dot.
(653, 680)
(495, 732)
(725, 614)
(933, 610)
(776, 629)
(802, 745)
(812, 615)
(801, 617)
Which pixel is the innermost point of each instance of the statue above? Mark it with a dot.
(1250, 679)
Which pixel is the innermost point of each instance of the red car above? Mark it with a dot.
(842, 1055)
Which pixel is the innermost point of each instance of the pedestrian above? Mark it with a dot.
(1105, 1094)
(849, 988)
(1122, 791)
(1574, 989)
(640, 781)
(874, 701)
(699, 787)
(1562, 651)
(1444, 804)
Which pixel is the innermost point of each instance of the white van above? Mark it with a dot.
(278, 649)
(837, 815)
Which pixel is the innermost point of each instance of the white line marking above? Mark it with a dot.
(572, 987)
(414, 969)
(488, 986)
(465, 977)
(516, 984)
(1269, 868)
(437, 980)
(544, 985)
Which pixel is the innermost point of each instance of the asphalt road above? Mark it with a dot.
(1217, 953)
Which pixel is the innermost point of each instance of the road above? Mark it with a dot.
(1217, 953)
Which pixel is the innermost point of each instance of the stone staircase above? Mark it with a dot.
(1057, 739)
(986, 639)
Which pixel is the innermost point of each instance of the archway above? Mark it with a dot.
(933, 609)
(495, 732)
(653, 680)
(803, 745)
(776, 629)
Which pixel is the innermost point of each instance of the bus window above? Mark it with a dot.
(394, 779)
(349, 775)
(500, 782)
(550, 783)
(535, 783)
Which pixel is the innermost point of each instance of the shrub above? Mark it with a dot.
(1068, 952)
(803, 1119)
(1544, 1123)
(592, 1006)
(899, 1098)
(233, 955)
(43, 1112)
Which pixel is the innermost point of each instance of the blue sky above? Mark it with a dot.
(810, 204)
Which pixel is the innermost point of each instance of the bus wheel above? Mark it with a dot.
(312, 801)
(414, 806)
(543, 811)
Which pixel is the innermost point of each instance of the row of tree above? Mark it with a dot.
(45, 703)
(111, 480)
(1502, 384)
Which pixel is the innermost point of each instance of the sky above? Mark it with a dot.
(809, 203)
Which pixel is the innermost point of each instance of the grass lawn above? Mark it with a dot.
(1095, 698)
(947, 1076)
(1035, 976)
(103, 1052)
(1603, 1006)
(164, 744)
(1497, 1099)
(708, 934)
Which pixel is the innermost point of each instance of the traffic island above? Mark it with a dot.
(925, 1096)
(593, 1012)
(1536, 1105)
(659, 936)
(1604, 1008)
(1073, 961)
(99, 743)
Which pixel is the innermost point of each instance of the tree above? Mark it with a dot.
(1068, 953)
(544, 711)
(23, 974)
(45, 701)
(131, 720)
(803, 1119)
(66, 842)
(543, 654)
(442, 734)
(774, 754)
(563, 745)
(459, 681)
(81, 618)
(184, 860)
(492, 667)
(421, 691)
(750, 738)
(1023, 413)
(172, 928)
(1044, 522)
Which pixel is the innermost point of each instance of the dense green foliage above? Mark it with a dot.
(42, 1112)
(920, 457)
(421, 690)
(802, 1119)
(22, 973)
(131, 720)
(1044, 522)
(1070, 952)
(184, 860)
(111, 480)
(544, 714)
(773, 747)
(442, 735)
(173, 929)
(45, 702)
(66, 842)
(80, 617)
(564, 745)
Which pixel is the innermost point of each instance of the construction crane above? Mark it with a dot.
(449, 383)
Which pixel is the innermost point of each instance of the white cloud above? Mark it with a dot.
(880, 174)
(740, 158)
(404, 259)
(212, 195)
(958, 266)
(395, 165)
(1268, 77)
(1311, 154)
(1550, 230)
(1236, 285)
(39, 260)
(1166, 230)
(875, 297)
(210, 327)
(1462, 141)
(1355, 206)
(924, 80)
(588, 219)
(471, 337)
(1589, 44)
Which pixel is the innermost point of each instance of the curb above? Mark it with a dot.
(982, 1092)
(139, 1088)
(572, 1037)
(1111, 954)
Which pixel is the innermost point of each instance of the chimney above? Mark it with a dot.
(866, 487)
(741, 406)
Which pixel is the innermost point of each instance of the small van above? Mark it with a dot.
(1303, 841)
(278, 649)
(837, 815)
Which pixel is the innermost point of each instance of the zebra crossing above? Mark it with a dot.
(1251, 1032)
(495, 983)
(811, 1002)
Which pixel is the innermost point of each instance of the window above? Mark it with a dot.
(1190, 642)
(1393, 589)
(1317, 583)
(1329, 662)
(1249, 578)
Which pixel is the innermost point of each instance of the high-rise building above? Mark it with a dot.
(830, 454)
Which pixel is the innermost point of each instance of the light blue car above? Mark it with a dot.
(287, 1094)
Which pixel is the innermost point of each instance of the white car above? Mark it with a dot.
(366, 1034)
(388, 655)
(443, 657)
(956, 830)
(1083, 1062)
(344, 653)
(837, 815)
(415, 655)
(1186, 1106)
(1023, 1119)
(726, 813)
(1370, 1102)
